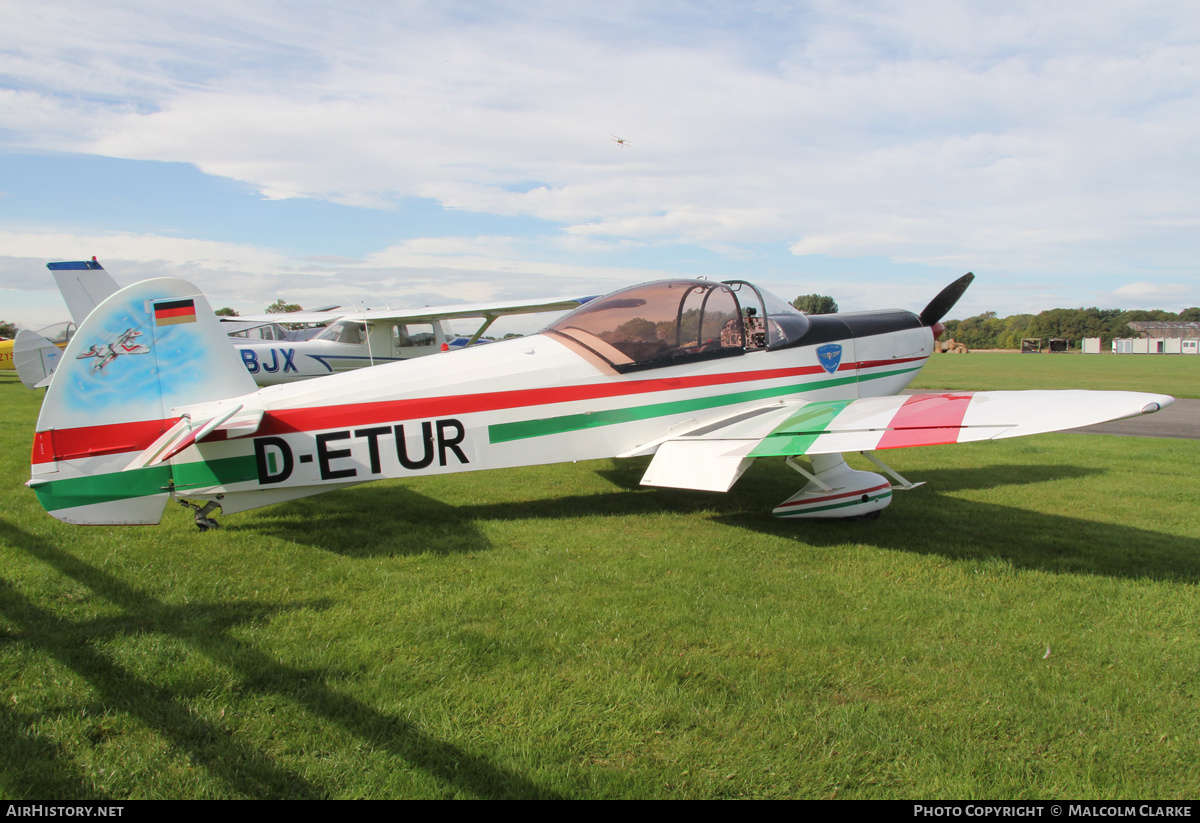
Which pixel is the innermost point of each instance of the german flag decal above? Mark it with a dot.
(174, 311)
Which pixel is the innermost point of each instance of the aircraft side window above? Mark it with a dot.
(413, 334)
(355, 333)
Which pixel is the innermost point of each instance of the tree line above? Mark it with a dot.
(988, 331)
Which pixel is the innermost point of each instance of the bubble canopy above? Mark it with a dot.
(674, 321)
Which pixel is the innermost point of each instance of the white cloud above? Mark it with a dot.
(1016, 137)
(1171, 296)
(423, 271)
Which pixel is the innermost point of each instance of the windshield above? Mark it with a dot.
(345, 331)
(784, 323)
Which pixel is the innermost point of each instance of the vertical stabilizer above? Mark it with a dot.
(143, 352)
(84, 285)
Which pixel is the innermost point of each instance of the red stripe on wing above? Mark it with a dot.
(926, 420)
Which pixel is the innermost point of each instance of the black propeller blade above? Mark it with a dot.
(939, 306)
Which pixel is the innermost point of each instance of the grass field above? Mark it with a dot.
(1024, 626)
(1176, 375)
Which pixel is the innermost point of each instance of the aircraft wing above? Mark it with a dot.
(425, 313)
(304, 318)
(713, 454)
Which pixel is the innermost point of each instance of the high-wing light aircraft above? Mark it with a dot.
(707, 377)
(374, 337)
(350, 341)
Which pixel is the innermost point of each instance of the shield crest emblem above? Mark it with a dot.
(830, 357)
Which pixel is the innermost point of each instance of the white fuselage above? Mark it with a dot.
(519, 402)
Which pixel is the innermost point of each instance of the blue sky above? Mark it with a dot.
(436, 152)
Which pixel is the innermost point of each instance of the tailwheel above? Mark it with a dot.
(203, 518)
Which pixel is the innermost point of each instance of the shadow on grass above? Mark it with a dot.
(41, 768)
(931, 521)
(925, 521)
(368, 521)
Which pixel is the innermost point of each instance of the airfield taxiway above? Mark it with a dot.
(1180, 419)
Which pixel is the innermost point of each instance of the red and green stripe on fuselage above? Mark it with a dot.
(494, 419)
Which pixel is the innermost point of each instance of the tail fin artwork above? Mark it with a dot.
(84, 285)
(141, 353)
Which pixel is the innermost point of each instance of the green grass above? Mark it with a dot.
(562, 632)
(1176, 375)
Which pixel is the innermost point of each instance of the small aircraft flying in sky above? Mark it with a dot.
(705, 377)
(620, 141)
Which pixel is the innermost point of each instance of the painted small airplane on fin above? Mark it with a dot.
(105, 353)
(703, 377)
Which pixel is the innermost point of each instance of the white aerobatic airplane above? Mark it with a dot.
(704, 376)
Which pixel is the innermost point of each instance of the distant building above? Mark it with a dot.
(1161, 337)
(1188, 329)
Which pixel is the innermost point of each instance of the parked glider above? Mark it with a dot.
(707, 377)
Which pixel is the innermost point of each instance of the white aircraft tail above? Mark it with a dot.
(84, 285)
(142, 353)
(35, 358)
